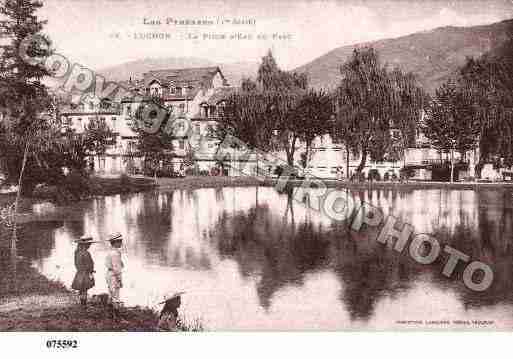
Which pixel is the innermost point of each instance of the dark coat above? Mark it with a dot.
(84, 279)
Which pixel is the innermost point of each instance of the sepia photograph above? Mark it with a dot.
(255, 166)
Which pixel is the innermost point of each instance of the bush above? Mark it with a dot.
(124, 180)
(374, 175)
(406, 173)
(215, 171)
(76, 185)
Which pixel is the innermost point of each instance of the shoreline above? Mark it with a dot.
(190, 183)
(108, 186)
(40, 304)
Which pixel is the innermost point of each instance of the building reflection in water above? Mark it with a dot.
(252, 258)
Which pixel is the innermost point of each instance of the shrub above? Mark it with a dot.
(374, 175)
(215, 171)
(76, 185)
(124, 180)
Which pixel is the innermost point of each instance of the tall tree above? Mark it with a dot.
(99, 137)
(371, 101)
(365, 98)
(27, 98)
(488, 82)
(344, 131)
(154, 146)
(312, 118)
(265, 115)
(449, 123)
(409, 103)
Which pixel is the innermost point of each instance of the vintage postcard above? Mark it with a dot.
(230, 165)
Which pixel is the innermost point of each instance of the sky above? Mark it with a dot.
(100, 33)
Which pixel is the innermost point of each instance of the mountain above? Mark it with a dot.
(434, 56)
(234, 72)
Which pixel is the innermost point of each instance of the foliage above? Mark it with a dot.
(153, 146)
(449, 123)
(369, 102)
(277, 112)
(25, 99)
(98, 137)
(488, 84)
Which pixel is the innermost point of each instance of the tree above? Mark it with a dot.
(449, 123)
(98, 137)
(278, 112)
(365, 99)
(344, 130)
(24, 129)
(488, 82)
(312, 118)
(409, 103)
(260, 110)
(371, 101)
(154, 146)
(248, 85)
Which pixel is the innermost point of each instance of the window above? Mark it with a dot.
(128, 110)
(80, 125)
(113, 119)
(181, 144)
(182, 108)
(172, 90)
(197, 128)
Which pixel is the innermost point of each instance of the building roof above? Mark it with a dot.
(197, 77)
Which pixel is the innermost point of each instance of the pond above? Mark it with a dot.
(250, 258)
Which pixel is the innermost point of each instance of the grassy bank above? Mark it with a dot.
(194, 182)
(95, 186)
(189, 183)
(31, 302)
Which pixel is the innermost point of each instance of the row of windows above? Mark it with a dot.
(158, 91)
(181, 109)
(69, 122)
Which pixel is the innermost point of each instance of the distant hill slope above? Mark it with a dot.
(233, 72)
(432, 55)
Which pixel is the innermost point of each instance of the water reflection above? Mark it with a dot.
(252, 258)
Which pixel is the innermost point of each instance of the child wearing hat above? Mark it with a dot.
(114, 265)
(84, 264)
(168, 318)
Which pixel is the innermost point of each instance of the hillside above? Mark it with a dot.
(433, 55)
(234, 72)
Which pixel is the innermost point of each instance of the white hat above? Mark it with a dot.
(114, 237)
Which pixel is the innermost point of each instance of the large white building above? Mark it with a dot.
(193, 96)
